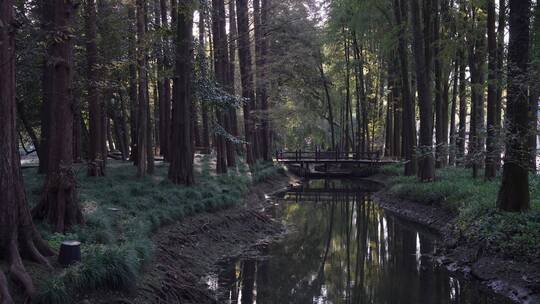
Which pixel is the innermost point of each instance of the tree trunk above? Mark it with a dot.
(142, 109)
(47, 15)
(221, 76)
(19, 234)
(422, 57)
(453, 135)
(59, 197)
(181, 168)
(408, 120)
(514, 191)
(261, 43)
(460, 140)
(534, 90)
(96, 164)
(491, 139)
(133, 96)
(441, 138)
(205, 136)
(500, 72)
(246, 74)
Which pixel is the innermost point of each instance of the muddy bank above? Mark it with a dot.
(185, 252)
(518, 281)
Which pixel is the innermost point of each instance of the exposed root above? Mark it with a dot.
(58, 201)
(5, 296)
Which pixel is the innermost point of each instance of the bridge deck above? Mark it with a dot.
(331, 157)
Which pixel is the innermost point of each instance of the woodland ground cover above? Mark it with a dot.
(122, 213)
(478, 220)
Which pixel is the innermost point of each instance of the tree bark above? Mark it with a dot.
(514, 191)
(491, 139)
(408, 120)
(423, 59)
(19, 235)
(59, 197)
(205, 136)
(246, 74)
(181, 168)
(142, 109)
(96, 164)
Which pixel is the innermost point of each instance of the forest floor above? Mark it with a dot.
(149, 241)
(500, 249)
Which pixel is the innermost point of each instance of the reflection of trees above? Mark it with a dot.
(345, 250)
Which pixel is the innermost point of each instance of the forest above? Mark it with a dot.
(263, 151)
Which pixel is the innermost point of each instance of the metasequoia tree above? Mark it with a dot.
(96, 164)
(491, 139)
(142, 106)
(514, 191)
(221, 76)
(59, 197)
(19, 236)
(408, 115)
(246, 74)
(181, 153)
(422, 56)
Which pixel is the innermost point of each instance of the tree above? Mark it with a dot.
(514, 191)
(422, 56)
(491, 140)
(96, 164)
(181, 156)
(221, 76)
(19, 235)
(246, 74)
(59, 197)
(408, 116)
(142, 106)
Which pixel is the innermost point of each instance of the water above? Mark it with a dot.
(343, 249)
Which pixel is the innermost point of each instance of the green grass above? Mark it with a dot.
(122, 213)
(474, 203)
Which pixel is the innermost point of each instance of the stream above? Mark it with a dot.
(343, 248)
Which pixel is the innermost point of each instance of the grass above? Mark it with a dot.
(122, 213)
(473, 201)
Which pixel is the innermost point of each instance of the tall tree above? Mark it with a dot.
(514, 191)
(221, 76)
(96, 164)
(401, 14)
(142, 106)
(59, 197)
(246, 74)
(491, 139)
(477, 50)
(423, 58)
(205, 132)
(181, 168)
(19, 235)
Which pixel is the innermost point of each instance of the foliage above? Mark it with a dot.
(478, 219)
(122, 213)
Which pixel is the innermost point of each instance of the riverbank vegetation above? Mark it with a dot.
(122, 213)
(478, 221)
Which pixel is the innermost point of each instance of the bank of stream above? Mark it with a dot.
(341, 247)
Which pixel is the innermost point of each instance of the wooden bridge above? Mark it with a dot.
(300, 157)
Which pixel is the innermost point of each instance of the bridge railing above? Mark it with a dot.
(299, 155)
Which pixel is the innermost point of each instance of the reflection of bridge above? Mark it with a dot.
(300, 157)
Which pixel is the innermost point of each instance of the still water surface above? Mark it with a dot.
(343, 249)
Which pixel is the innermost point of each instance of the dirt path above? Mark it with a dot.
(187, 251)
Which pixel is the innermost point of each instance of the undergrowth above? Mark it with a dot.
(122, 213)
(478, 219)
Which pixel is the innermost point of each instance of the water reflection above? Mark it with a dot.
(344, 249)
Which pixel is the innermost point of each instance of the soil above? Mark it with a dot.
(516, 280)
(185, 252)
